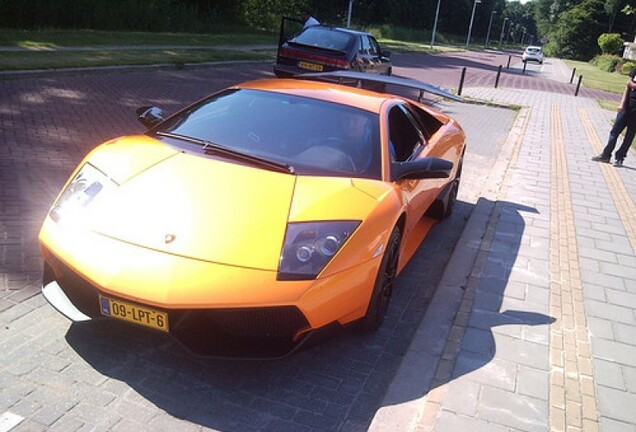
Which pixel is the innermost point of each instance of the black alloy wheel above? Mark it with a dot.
(383, 287)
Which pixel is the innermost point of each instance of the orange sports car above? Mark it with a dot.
(255, 218)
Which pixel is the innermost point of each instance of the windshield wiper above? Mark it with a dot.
(210, 147)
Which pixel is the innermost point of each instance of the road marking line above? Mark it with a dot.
(624, 204)
(8, 421)
(572, 398)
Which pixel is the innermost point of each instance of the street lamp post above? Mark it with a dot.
(510, 32)
(523, 37)
(492, 14)
(472, 18)
(349, 13)
(435, 23)
(503, 27)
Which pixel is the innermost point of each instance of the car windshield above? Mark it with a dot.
(313, 136)
(324, 38)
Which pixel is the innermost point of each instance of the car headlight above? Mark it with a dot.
(309, 246)
(72, 205)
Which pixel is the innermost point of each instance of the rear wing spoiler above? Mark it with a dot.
(360, 77)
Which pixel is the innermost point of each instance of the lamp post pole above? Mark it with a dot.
(472, 18)
(523, 38)
(492, 14)
(503, 27)
(349, 13)
(435, 23)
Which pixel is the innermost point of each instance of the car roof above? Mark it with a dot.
(330, 92)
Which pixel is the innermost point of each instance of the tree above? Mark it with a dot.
(610, 43)
(576, 32)
(612, 7)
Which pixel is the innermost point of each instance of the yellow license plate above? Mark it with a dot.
(141, 315)
(310, 66)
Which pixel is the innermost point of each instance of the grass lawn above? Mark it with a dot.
(595, 78)
(40, 48)
(64, 38)
(54, 60)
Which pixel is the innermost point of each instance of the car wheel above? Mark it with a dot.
(452, 198)
(450, 204)
(383, 287)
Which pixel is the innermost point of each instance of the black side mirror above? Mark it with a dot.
(426, 168)
(149, 116)
(386, 54)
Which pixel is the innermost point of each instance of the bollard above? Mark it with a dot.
(498, 75)
(509, 58)
(525, 63)
(461, 82)
(572, 77)
(576, 93)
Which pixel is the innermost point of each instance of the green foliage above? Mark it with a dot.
(574, 35)
(150, 15)
(610, 43)
(266, 14)
(627, 67)
(388, 31)
(607, 62)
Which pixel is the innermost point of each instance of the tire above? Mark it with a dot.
(383, 287)
(450, 204)
(452, 198)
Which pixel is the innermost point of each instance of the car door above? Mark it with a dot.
(381, 63)
(369, 56)
(406, 142)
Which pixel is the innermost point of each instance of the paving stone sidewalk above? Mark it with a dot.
(540, 333)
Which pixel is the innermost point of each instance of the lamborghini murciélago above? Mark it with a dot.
(257, 216)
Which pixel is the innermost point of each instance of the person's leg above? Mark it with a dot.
(621, 153)
(619, 124)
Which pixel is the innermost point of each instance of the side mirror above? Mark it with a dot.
(426, 168)
(386, 54)
(149, 116)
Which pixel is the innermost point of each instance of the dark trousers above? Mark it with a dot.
(624, 119)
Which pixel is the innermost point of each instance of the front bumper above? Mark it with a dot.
(261, 332)
(213, 310)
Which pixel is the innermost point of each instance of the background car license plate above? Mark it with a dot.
(133, 313)
(310, 66)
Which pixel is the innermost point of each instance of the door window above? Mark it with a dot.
(405, 139)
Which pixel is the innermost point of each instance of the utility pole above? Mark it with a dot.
(349, 13)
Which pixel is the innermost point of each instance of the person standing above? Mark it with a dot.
(308, 19)
(625, 118)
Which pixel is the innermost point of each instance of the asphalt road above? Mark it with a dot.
(111, 377)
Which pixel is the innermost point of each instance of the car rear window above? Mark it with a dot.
(324, 38)
(313, 136)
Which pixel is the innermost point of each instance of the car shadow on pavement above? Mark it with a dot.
(336, 385)
(500, 325)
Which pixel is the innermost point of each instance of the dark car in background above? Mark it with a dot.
(327, 49)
